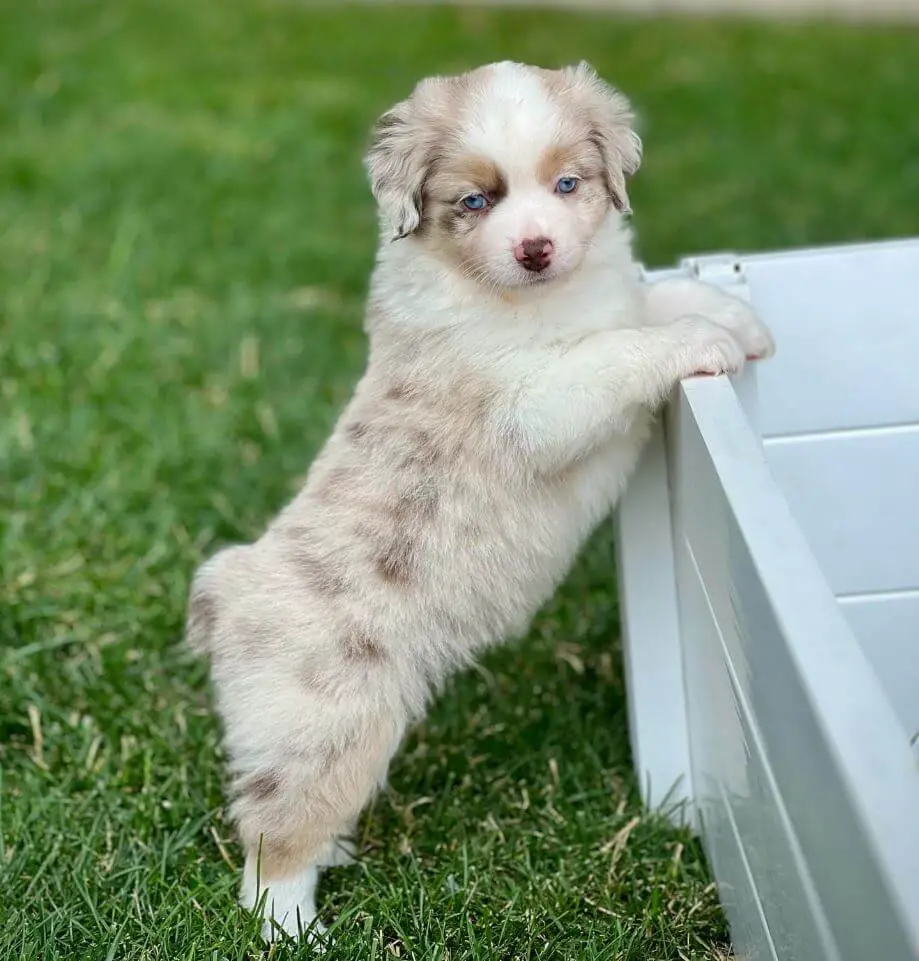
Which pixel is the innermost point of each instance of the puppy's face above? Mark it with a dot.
(505, 172)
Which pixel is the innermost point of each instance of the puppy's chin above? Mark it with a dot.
(527, 280)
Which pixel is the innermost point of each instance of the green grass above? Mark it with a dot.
(185, 238)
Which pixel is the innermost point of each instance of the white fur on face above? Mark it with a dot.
(509, 133)
(515, 127)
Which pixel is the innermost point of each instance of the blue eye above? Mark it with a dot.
(567, 185)
(475, 202)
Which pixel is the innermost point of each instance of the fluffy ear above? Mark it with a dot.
(402, 149)
(610, 117)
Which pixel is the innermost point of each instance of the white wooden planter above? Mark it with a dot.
(769, 581)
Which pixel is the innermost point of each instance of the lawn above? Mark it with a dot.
(185, 238)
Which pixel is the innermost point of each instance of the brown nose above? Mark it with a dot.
(534, 254)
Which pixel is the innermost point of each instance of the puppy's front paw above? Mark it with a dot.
(710, 348)
(738, 317)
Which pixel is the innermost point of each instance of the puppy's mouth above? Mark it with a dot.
(538, 278)
(514, 276)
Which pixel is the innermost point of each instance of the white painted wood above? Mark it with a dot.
(740, 899)
(737, 793)
(651, 642)
(855, 496)
(888, 627)
(828, 768)
(847, 324)
(798, 706)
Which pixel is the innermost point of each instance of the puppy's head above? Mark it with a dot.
(505, 172)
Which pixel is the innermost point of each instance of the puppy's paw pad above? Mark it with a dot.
(716, 365)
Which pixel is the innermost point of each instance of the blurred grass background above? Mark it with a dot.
(185, 240)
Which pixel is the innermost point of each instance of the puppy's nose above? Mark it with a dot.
(534, 254)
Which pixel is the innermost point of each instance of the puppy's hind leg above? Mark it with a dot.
(292, 812)
(287, 904)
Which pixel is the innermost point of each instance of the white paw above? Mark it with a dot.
(682, 297)
(287, 906)
(709, 349)
(339, 854)
(738, 317)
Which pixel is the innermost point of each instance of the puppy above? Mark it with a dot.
(515, 364)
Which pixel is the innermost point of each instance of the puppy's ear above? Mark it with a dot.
(610, 119)
(402, 148)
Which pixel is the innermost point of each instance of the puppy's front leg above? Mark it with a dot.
(666, 301)
(568, 407)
